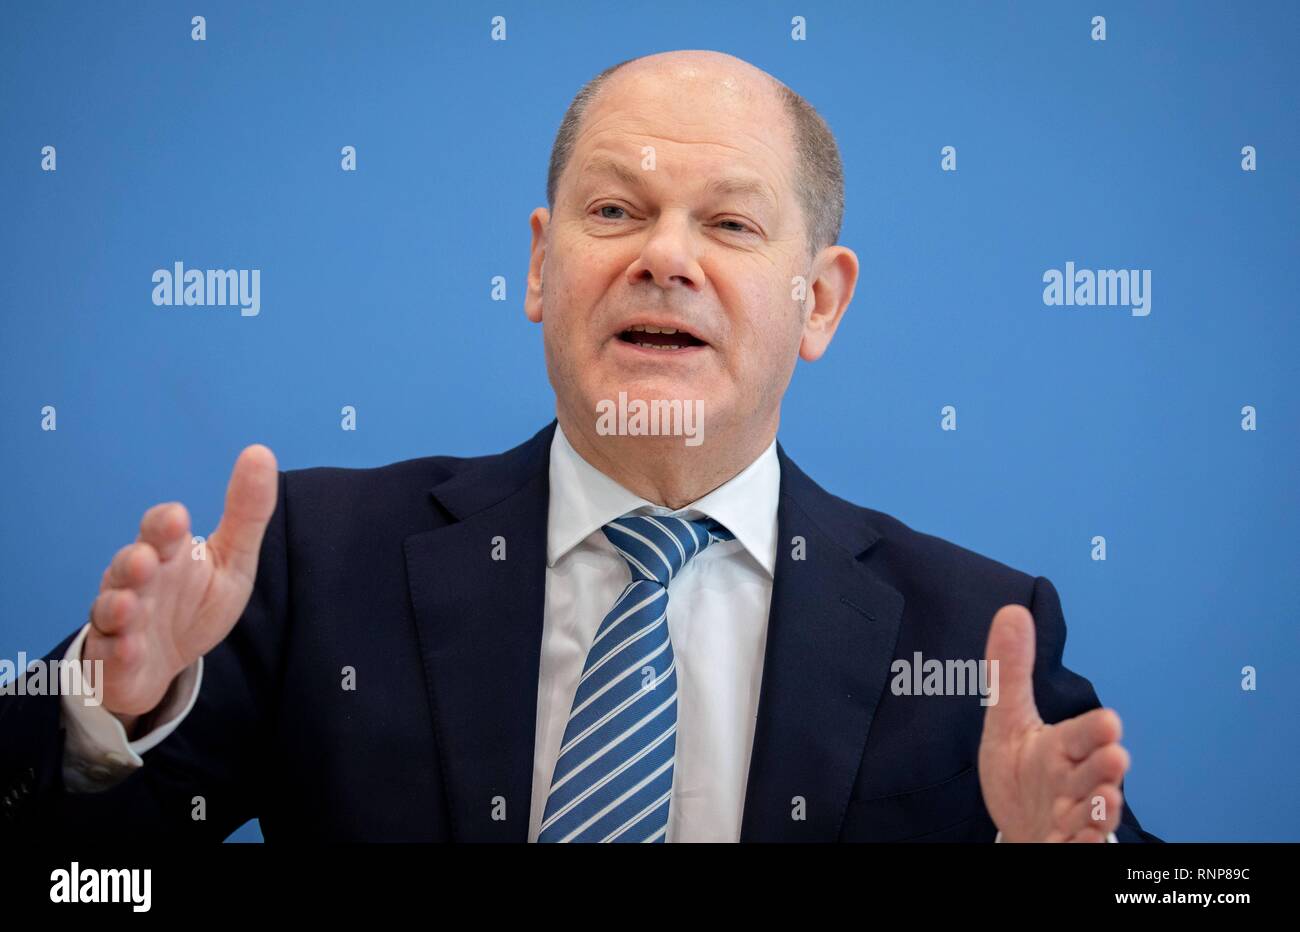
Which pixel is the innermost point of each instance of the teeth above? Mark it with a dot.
(650, 328)
(658, 346)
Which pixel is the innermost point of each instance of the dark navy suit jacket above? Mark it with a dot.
(388, 572)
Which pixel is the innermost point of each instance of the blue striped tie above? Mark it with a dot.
(614, 776)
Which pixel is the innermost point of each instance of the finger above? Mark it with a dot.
(125, 649)
(1107, 764)
(166, 528)
(132, 566)
(250, 501)
(1104, 798)
(112, 611)
(1010, 652)
(1084, 733)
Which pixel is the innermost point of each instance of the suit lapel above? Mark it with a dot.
(479, 623)
(832, 627)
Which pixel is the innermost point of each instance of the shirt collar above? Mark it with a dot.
(583, 499)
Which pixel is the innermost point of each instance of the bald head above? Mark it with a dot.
(817, 173)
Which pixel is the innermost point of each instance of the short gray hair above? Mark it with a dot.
(819, 173)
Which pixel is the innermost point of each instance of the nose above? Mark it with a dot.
(669, 256)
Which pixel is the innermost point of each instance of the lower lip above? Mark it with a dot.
(685, 352)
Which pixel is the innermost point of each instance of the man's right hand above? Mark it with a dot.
(159, 609)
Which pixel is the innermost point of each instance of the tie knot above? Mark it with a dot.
(657, 547)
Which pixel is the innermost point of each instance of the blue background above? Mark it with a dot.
(1073, 421)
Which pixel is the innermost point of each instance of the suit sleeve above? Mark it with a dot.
(198, 784)
(1060, 692)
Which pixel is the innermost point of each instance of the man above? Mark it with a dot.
(611, 632)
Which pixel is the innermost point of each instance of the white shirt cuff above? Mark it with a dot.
(96, 752)
(1110, 837)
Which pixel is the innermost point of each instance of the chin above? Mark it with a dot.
(656, 388)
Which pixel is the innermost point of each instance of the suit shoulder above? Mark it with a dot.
(401, 495)
(394, 496)
(331, 502)
(422, 473)
(419, 472)
(903, 546)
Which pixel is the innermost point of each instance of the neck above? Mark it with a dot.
(663, 470)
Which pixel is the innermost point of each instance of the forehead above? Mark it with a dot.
(725, 133)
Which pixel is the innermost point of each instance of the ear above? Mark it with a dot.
(537, 221)
(834, 276)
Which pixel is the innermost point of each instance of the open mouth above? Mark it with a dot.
(648, 336)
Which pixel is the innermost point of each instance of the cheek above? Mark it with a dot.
(768, 325)
(574, 287)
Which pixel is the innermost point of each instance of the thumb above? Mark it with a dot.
(250, 502)
(1010, 653)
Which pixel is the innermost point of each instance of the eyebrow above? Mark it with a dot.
(742, 187)
(602, 165)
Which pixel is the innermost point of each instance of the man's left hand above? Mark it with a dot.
(1045, 782)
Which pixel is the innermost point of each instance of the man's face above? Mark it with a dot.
(676, 210)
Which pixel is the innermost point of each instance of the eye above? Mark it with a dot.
(744, 227)
(605, 216)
